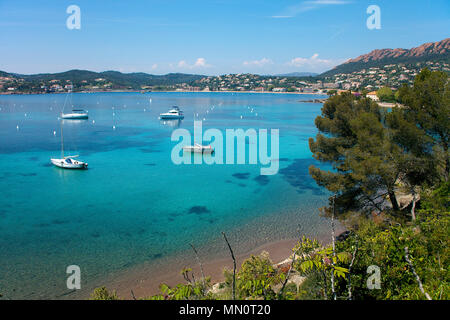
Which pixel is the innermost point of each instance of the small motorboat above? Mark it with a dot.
(197, 148)
(174, 113)
(69, 163)
(75, 114)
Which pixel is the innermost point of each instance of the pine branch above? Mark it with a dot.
(349, 271)
(234, 266)
(415, 274)
(201, 266)
(289, 272)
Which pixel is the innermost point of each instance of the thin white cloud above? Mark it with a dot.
(183, 64)
(314, 63)
(199, 63)
(328, 2)
(304, 6)
(258, 63)
(281, 17)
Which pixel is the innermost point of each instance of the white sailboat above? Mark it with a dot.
(76, 114)
(67, 162)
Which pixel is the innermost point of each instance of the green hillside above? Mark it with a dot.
(134, 80)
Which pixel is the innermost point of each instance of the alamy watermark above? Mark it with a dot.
(74, 280)
(374, 20)
(374, 280)
(258, 147)
(74, 20)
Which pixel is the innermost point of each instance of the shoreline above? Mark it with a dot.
(150, 92)
(143, 285)
(144, 280)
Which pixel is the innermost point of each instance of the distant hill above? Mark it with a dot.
(5, 74)
(432, 51)
(134, 80)
(297, 74)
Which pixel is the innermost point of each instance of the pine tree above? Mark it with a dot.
(354, 140)
(428, 108)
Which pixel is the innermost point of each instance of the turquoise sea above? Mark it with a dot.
(133, 205)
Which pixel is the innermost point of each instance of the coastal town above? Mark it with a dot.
(366, 79)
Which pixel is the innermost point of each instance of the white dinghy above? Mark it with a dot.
(197, 148)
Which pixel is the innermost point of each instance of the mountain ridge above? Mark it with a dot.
(439, 50)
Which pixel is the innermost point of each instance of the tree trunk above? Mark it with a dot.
(447, 161)
(413, 208)
(333, 239)
(444, 145)
(393, 199)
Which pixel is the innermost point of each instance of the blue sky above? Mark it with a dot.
(209, 37)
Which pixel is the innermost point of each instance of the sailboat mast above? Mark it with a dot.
(62, 137)
(62, 141)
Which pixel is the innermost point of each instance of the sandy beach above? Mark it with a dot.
(145, 282)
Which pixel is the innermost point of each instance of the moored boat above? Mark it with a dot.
(75, 114)
(197, 148)
(174, 113)
(69, 163)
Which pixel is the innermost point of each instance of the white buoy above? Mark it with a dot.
(150, 100)
(54, 132)
(93, 121)
(241, 116)
(114, 127)
(17, 127)
(114, 114)
(145, 110)
(204, 119)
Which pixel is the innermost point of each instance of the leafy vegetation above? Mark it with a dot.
(385, 94)
(103, 294)
(376, 156)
